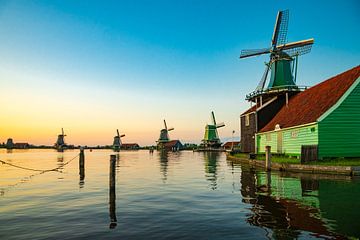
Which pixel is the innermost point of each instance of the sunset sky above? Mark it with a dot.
(94, 66)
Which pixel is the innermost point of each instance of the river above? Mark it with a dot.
(175, 195)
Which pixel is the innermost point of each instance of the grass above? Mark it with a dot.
(292, 160)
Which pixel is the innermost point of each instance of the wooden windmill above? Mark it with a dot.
(164, 134)
(283, 60)
(211, 136)
(117, 141)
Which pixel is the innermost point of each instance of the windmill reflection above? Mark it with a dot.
(164, 161)
(211, 164)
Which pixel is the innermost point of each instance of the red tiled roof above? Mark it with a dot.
(252, 109)
(171, 143)
(309, 105)
(229, 144)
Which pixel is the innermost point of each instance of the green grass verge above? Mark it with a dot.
(292, 160)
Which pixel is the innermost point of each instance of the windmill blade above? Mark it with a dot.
(253, 52)
(280, 29)
(165, 124)
(117, 130)
(213, 117)
(299, 50)
(301, 43)
(62, 131)
(219, 125)
(122, 135)
(261, 84)
(170, 129)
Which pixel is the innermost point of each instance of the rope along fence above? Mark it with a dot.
(40, 170)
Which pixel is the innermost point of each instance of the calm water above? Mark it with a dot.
(182, 195)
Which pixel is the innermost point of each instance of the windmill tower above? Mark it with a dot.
(60, 143)
(282, 64)
(211, 136)
(117, 141)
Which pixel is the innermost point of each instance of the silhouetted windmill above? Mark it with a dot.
(117, 141)
(60, 143)
(283, 59)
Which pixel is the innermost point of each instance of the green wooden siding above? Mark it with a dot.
(266, 139)
(339, 132)
(292, 139)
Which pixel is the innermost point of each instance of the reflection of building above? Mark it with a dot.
(290, 205)
(211, 164)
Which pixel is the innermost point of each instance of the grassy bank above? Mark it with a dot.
(291, 160)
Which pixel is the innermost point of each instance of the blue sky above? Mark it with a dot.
(100, 65)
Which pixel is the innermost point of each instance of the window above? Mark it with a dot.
(312, 129)
(268, 137)
(247, 120)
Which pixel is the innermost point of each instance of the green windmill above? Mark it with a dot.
(211, 136)
(283, 59)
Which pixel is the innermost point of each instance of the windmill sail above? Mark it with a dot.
(281, 27)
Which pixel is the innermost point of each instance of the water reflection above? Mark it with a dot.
(164, 161)
(211, 164)
(289, 205)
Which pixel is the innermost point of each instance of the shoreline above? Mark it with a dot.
(300, 168)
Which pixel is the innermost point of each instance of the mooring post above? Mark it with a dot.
(268, 158)
(112, 194)
(82, 164)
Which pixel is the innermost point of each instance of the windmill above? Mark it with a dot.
(117, 141)
(283, 59)
(60, 143)
(211, 137)
(164, 134)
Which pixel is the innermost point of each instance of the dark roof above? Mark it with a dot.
(252, 109)
(309, 105)
(171, 143)
(129, 145)
(229, 144)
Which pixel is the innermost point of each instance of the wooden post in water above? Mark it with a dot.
(112, 194)
(268, 158)
(82, 165)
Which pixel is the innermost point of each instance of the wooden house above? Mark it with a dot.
(231, 145)
(172, 145)
(130, 146)
(258, 116)
(326, 115)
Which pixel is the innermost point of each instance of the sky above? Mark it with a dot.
(92, 67)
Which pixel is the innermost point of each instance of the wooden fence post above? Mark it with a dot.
(268, 158)
(82, 164)
(112, 194)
